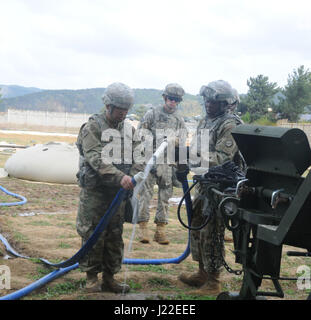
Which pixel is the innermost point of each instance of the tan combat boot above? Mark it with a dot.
(92, 283)
(197, 279)
(143, 232)
(112, 285)
(160, 235)
(212, 287)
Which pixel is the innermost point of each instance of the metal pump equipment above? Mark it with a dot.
(271, 207)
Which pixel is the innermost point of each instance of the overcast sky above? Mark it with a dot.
(76, 44)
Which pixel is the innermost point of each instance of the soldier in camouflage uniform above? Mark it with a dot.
(219, 99)
(164, 117)
(99, 182)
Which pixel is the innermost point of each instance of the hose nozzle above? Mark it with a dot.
(138, 177)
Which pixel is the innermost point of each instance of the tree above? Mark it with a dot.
(259, 96)
(297, 94)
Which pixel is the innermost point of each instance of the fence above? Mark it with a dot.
(44, 118)
(75, 120)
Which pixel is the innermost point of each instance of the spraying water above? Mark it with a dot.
(140, 179)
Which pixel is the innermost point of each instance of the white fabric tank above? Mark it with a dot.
(54, 162)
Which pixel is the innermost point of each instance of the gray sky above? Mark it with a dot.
(75, 44)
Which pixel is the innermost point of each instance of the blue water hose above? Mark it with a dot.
(9, 248)
(102, 225)
(8, 204)
(39, 283)
(72, 263)
(95, 235)
(186, 253)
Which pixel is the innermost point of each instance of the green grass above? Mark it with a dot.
(68, 287)
(66, 224)
(149, 268)
(39, 223)
(64, 245)
(41, 272)
(20, 237)
(155, 282)
(134, 285)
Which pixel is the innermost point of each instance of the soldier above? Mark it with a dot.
(164, 117)
(219, 99)
(99, 182)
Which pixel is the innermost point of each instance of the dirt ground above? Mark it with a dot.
(44, 227)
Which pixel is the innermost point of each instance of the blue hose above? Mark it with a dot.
(10, 249)
(102, 225)
(95, 235)
(72, 263)
(39, 283)
(185, 254)
(7, 204)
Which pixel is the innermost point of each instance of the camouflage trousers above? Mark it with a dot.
(107, 254)
(162, 176)
(207, 244)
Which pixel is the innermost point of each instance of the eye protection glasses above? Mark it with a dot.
(174, 99)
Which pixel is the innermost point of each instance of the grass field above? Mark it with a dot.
(45, 227)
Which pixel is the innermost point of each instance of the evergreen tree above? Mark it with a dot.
(259, 96)
(297, 94)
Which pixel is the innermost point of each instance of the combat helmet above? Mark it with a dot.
(119, 95)
(219, 90)
(174, 90)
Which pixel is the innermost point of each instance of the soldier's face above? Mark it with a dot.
(117, 114)
(170, 104)
(212, 108)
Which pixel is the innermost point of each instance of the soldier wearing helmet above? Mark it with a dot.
(99, 184)
(162, 117)
(219, 100)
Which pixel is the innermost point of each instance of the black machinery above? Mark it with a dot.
(271, 206)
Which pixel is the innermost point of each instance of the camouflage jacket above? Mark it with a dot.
(222, 146)
(93, 172)
(157, 118)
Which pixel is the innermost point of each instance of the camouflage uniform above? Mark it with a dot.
(99, 184)
(207, 243)
(222, 148)
(161, 174)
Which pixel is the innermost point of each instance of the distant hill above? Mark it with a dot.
(89, 101)
(11, 91)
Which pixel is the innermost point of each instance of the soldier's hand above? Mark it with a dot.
(126, 183)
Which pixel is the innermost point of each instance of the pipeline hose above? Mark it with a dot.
(189, 227)
(72, 263)
(186, 253)
(8, 204)
(95, 235)
(39, 283)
